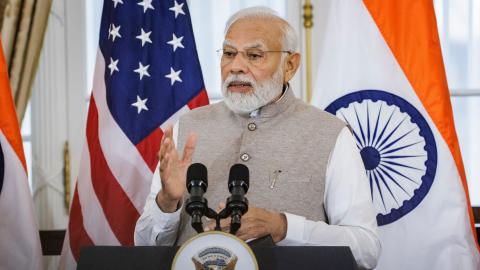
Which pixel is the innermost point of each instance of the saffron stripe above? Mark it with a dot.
(8, 120)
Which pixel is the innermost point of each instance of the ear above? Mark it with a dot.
(291, 65)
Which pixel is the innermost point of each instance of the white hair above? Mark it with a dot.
(289, 34)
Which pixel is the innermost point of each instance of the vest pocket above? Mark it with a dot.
(287, 177)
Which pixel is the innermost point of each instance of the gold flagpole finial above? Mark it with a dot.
(308, 24)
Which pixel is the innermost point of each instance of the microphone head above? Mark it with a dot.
(240, 175)
(197, 175)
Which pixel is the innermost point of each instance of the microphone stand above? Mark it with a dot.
(235, 224)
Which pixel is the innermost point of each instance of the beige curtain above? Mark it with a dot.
(23, 27)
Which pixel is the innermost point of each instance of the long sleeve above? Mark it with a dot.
(155, 227)
(348, 207)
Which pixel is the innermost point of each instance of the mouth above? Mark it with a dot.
(239, 87)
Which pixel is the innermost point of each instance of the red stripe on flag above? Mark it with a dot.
(119, 210)
(77, 234)
(149, 148)
(200, 100)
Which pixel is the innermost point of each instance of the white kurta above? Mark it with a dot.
(347, 203)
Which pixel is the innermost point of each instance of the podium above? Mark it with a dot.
(161, 258)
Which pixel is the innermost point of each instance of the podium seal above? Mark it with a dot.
(214, 250)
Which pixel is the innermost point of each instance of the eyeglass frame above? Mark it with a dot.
(221, 54)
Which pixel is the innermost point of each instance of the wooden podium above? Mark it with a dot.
(160, 258)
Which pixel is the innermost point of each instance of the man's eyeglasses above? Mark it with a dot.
(254, 56)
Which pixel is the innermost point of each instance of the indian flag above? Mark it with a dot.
(19, 237)
(381, 71)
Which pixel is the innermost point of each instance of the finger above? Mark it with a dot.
(251, 231)
(189, 147)
(210, 226)
(164, 164)
(220, 207)
(163, 147)
(169, 131)
(244, 232)
(165, 134)
(224, 223)
(169, 148)
(252, 212)
(172, 151)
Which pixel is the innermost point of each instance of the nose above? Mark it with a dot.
(238, 65)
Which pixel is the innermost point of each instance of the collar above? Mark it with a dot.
(274, 108)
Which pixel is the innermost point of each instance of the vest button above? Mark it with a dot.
(252, 126)
(245, 157)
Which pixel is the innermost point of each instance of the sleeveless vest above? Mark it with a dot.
(286, 146)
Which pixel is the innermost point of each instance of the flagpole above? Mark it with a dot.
(308, 23)
(66, 176)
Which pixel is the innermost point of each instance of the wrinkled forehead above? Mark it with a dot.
(262, 33)
(255, 44)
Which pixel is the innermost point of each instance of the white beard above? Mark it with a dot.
(262, 94)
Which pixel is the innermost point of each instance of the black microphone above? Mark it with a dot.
(237, 204)
(197, 184)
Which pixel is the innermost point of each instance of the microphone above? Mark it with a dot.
(237, 204)
(197, 184)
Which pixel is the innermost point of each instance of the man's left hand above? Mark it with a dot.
(256, 223)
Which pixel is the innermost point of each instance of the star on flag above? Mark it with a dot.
(114, 31)
(174, 76)
(177, 8)
(144, 37)
(116, 2)
(176, 42)
(147, 4)
(113, 65)
(142, 70)
(140, 104)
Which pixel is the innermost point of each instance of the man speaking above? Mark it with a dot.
(307, 181)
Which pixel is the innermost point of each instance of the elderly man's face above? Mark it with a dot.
(253, 68)
(246, 35)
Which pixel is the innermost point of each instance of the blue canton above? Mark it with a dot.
(151, 64)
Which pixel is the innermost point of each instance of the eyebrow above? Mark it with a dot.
(254, 45)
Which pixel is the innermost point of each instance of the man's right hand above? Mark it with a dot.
(173, 170)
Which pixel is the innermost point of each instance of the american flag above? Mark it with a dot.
(147, 74)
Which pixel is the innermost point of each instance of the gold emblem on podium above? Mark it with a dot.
(214, 250)
(215, 258)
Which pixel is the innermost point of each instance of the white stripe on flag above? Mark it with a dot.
(94, 220)
(66, 260)
(123, 158)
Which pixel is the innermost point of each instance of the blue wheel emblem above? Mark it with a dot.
(397, 147)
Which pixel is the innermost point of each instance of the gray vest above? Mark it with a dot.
(287, 142)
